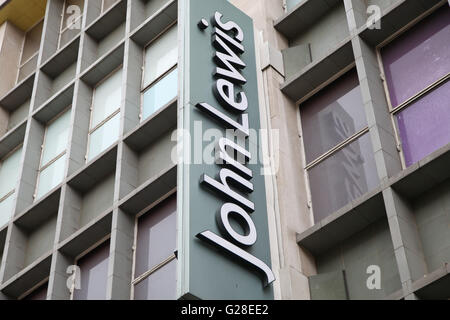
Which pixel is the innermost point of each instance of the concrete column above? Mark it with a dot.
(406, 239)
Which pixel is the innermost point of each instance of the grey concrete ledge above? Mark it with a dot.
(395, 18)
(28, 277)
(13, 138)
(95, 170)
(150, 191)
(56, 104)
(345, 222)
(19, 94)
(62, 59)
(319, 71)
(302, 16)
(108, 21)
(155, 24)
(152, 128)
(435, 285)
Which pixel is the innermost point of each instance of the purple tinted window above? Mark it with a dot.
(419, 57)
(332, 116)
(343, 177)
(38, 294)
(160, 285)
(94, 273)
(425, 125)
(156, 238)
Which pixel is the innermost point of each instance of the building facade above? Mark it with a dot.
(354, 96)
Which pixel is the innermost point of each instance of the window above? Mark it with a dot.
(53, 157)
(71, 19)
(30, 51)
(338, 150)
(155, 262)
(9, 174)
(160, 77)
(417, 72)
(93, 274)
(106, 4)
(105, 114)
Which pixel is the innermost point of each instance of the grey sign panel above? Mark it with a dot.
(223, 234)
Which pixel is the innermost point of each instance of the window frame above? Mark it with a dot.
(34, 55)
(109, 117)
(144, 87)
(136, 280)
(394, 111)
(63, 29)
(85, 253)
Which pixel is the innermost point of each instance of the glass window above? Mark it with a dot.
(160, 56)
(339, 154)
(105, 116)
(425, 125)
(53, 160)
(160, 285)
(9, 174)
(343, 177)
(71, 21)
(160, 78)
(155, 263)
(31, 44)
(107, 98)
(93, 274)
(417, 68)
(419, 57)
(160, 94)
(108, 4)
(104, 137)
(332, 116)
(6, 208)
(51, 176)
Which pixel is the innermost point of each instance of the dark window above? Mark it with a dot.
(93, 274)
(339, 155)
(417, 68)
(155, 271)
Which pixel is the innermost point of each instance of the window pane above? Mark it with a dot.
(67, 35)
(419, 57)
(160, 94)
(70, 13)
(6, 207)
(343, 177)
(104, 136)
(156, 239)
(56, 138)
(32, 42)
(27, 69)
(9, 172)
(107, 98)
(51, 176)
(332, 116)
(93, 274)
(161, 55)
(108, 4)
(424, 126)
(160, 285)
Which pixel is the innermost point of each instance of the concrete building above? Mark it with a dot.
(355, 95)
